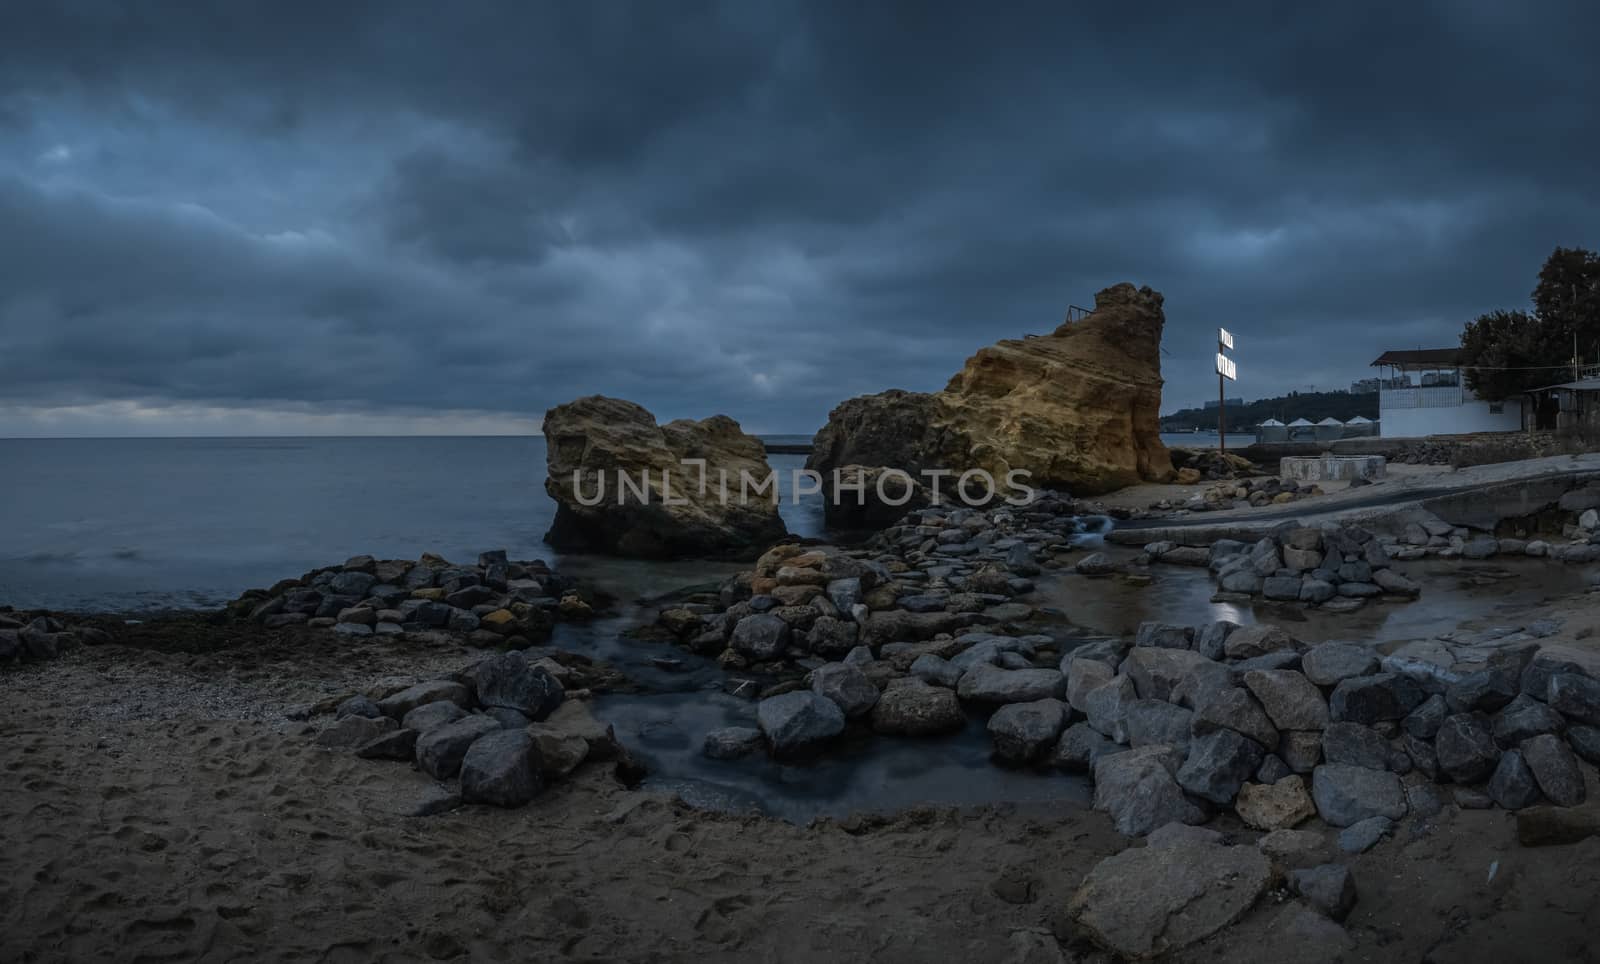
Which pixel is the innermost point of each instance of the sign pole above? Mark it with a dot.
(1222, 414)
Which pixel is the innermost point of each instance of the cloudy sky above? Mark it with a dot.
(425, 217)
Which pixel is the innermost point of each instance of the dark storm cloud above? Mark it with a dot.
(754, 208)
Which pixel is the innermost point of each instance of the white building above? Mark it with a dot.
(1437, 401)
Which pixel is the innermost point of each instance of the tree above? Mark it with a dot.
(1508, 352)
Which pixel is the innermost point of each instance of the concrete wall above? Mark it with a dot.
(1472, 415)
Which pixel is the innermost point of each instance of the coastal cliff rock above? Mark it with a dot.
(1077, 408)
(606, 439)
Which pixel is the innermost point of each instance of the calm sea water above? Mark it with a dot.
(139, 524)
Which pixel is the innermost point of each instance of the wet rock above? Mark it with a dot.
(1585, 741)
(1080, 746)
(508, 682)
(1212, 640)
(1106, 707)
(1023, 732)
(831, 637)
(1482, 691)
(1577, 697)
(847, 686)
(354, 731)
(1281, 588)
(1083, 676)
(1251, 641)
(936, 670)
(1233, 708)
(1372, 699)
(913, 708)
(1536, 675)
(1355, 745)
(1555, 768)
(1095, 564)
(1363, 835)
(1330, 889)
(1346, 794)
(430, 715)
(991, 684)
(501, 769)
(1290, 699)
(1424, 721)
(733, 743)
(1163, 636)
(1148, 901)
(1512, 786)
(1218, 764)
(1155, 672)
(760, 636)
(1137, 788)
(1275, 806)
(1313, 590)
(357, 705)
(441, 750)
(1331, 663)
(798, 722)
(1466, 748)
(1202, 682)
(433, 691)
(1525, 717)
(1153, 721)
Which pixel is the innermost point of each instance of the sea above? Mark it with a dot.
(142, 524)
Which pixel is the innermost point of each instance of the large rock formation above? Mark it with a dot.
(607, 438)
(1077, 408)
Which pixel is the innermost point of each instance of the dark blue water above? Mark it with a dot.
(138, 524)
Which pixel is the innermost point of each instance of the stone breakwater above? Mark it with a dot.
(495, 602)
(1256, 491)
(1335, 567)
(498, 732)
(1576, 518)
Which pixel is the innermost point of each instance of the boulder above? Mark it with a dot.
(1076, 409)
(1137, 788)
(429, 715)
(1080, 746)
(847, 686)
(760, 636)
(592, 441)
(1083, 676)
(1512, 785)
(798, 721)
(1235, 709)
(1278, 806)
(441, 750)
(1290, 699)
(1106, 707)
(732, 742)
(1525, 717)
(1156, 672)
(1466, 748)
(397, 705)
(1211, 642)
(1151, 901)
(1373, 699)
(1555, 768)
(1347, 794)
(913, 708)
(507, 681)
(1155, 722)
(1363, 835)
(1218, 764)
(936, 670)
(352, 731)
(1022, 732)
(1330, 889)
(1330, 663)
(986, 683)
(1576, 696)
(1356, 745)
(1163, 635)
(1248, 642)
(501, 769)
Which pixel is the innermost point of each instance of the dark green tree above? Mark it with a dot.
(1507, 352)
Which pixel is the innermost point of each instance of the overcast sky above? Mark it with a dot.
(441, 217)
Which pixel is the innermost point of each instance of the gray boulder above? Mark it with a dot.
(1346, 794)
(1585, 741)
(760, 636)
(1355, 745)
(1331, 663)
(1218, 764)
(913, 708)
(1373, 699)
(1556, 769)
(1163, 636)
(508, 682)
(1251, 641)
(1512, 786)
(441, 750)
(1424, 721)
(1154, 722)
(1212, 640)
(354, 731)
(1083, 676)
(1466, 748)
(936, 670)
(1536, 675)
(502, 769)
(1235, 709)
(991, 684)
(1290, 699)
(1136, 787)
(430, 715)
(1107, 707)
(1156, 672)
(1576, 696)
(1080, 746)
(1363, 835)
(403, 702)
(1329, 889)
(1022, 732)
(799, 721)
(1523, 718)
(847, 686)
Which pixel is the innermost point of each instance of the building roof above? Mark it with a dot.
(1272, 423)
(1299, 423)
(1330, 420)
(1419, 359)
(1359, 420)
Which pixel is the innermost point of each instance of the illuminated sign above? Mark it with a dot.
(1225, 339)
(1226, 368)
